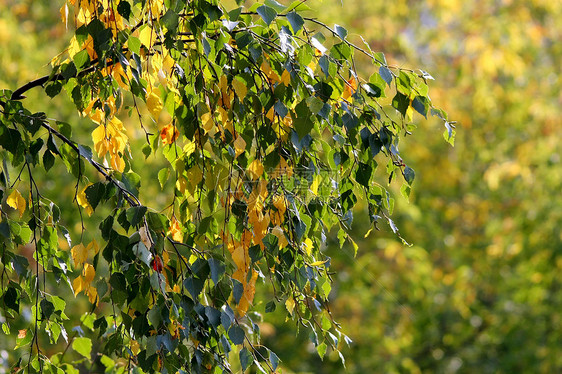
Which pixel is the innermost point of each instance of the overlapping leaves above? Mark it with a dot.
(269, 138)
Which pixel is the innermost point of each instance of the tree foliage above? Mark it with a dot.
(479, 290)
(262, 137)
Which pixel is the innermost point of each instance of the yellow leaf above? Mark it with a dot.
(175, 230)
(147, 37)
(307, 246)
(270, 114)
(290, 305)
(16, 201)
(89, 273)
(83, 201)
(239, 257)
(255, 169)
(272, 76)
(248, 295)
(93, 246)
(78, 285)
(92, 294)
(154, 104)
(79, 254)
(314, 185)
(195, 176)
(135, 347)
(239, 145)
(318, 263)
(240, 88)
(282, 240)
(279, 203)
(286, 78)
(207, 121)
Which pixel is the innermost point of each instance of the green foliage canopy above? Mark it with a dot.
(264, 137)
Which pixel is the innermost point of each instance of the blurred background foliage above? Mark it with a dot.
(480, 289)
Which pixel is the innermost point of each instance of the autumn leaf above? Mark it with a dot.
(239, 145)
(169, 134)
(290, 305)
(281, 239)
(79, 254)
(286, 78)
(16, 201)
(175, 230)
(92, 294)
(154, 104)
(255, 170)
(78, 285)
(93, 246)
(349, 89)
(307, 246)
(83, 201)
(248, 295)
(88, 272)
(147, 36)
(240, 89)
(22, 334)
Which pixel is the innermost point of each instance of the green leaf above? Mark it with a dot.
(268, 14)
(170, 20)
(405, 191)
(25, 340)
(274, 360)
(299, 6)
(363, 174)
(47, 308)
(48, 160)
(236, 335)
(11, 299)
(270, 307)
(134, 44)
(386, 74)
(94, 193)
(246, 358)
(217, 269)
(275, 5)
(296, 21)
(157, 221)
(421, 105)
(372, 90)
(409, 175)
(237, 290)
(81, 59)
(194, 286)
(341, 51)
(321, 349)
(124, 9)
(52, 89)
(401, 103)
(302, 122)
(19, 263)
(163, 175)
(342, 32)
(83, 346)
(155, 317)
(136, 214)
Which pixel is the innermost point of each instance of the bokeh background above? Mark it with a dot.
(480, 290)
